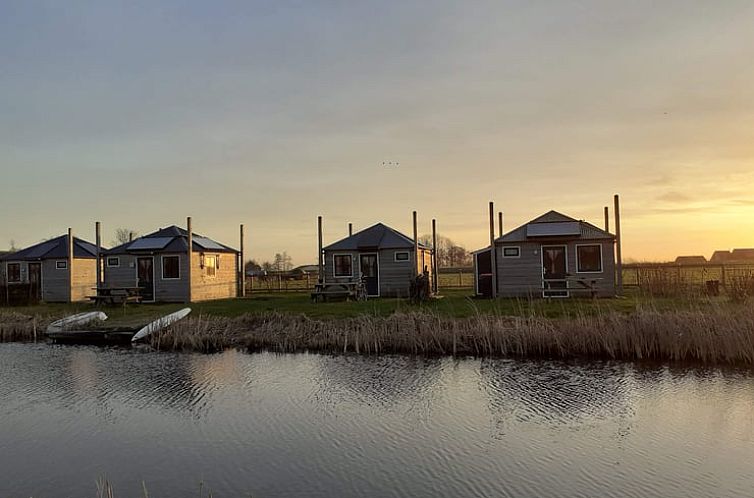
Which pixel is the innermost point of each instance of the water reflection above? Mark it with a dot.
(317, 425)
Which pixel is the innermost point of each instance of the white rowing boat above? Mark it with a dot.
(160, 324)
(75, 321)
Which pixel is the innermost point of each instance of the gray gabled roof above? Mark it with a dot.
(54, 249)
(171, 239)
(376, 237)
(555, 225)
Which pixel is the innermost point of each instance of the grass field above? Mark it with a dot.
(454, 303)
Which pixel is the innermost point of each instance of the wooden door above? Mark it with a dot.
(370, 273)
(145, 277)
(35, 281)
(554, 271)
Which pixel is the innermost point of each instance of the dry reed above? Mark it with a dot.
(714, 334)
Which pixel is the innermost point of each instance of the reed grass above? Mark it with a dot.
(713, 334)
(709, 331)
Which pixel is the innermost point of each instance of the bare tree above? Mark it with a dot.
(13, 247)
(123, 235)
(449, 253)
(282, 262)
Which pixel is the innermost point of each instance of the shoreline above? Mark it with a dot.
(710, 335)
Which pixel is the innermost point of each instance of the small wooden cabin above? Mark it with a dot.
(380, 255)
(158, 263)
(553, 255)
(50, 272)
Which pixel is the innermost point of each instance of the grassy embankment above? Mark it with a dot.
(636, 327)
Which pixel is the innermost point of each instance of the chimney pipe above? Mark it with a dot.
(607, 219)
(500, 223)
(350, 229)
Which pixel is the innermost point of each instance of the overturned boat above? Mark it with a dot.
(71, 329)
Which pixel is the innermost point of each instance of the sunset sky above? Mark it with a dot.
(139, 114)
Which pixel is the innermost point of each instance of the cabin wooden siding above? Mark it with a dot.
(55, 282)
(394, 276)
(84, 281)
(222, 286)
(522, 276)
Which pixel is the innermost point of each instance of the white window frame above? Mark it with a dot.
(162, 267)
(335, 275)
(7, 273)
(578, 262)
(116, 258)
(407, 260)
(518, 252)
(58, 263)
(206, 266)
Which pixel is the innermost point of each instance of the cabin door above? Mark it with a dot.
(370, 273)
(483, 273)
(35, 281)
(554, 270)
(145, 278)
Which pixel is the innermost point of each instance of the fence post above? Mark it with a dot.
(722, 275)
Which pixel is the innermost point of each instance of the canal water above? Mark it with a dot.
(268, 425)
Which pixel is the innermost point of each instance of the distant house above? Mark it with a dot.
(158, 263)
(380, 255)
(734, 256)
(690, 260)
(53, 276)
(553, 255)
(303, 271)
(720, 257)
(742, 255)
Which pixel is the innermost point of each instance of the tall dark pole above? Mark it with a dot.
(70, 264)
(434, 256)
(417, 271)
(493, 258)
(241, 265)
(618, 252)
(98, 236)
(190, 251)
(321, 277)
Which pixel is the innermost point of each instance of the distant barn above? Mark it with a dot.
(553, 255)
(690, 260)
(158, 264)
(382, 256)
(48, 271)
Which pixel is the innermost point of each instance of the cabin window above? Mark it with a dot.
(171, 267)
(511, 252)
(14, 273)
(402, 256)
(113, 262)
(61, 265)
(589, 258)
(210, 265)
(343, 265)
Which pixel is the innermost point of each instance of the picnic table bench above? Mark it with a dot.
(353, 289)
(116, 295)
(586, 285)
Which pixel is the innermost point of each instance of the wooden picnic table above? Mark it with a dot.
(113, 295)
(585, 284)
(349, 289)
